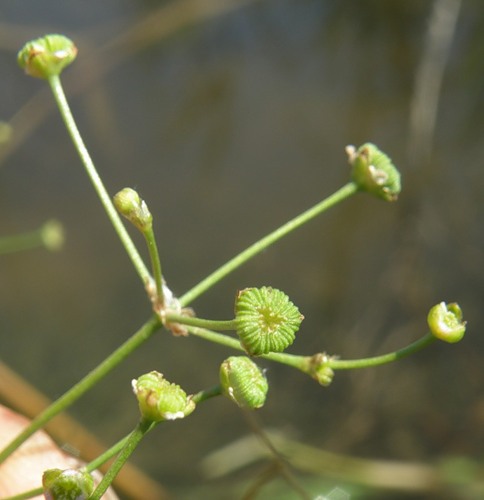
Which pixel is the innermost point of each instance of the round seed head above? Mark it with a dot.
(374, 172)
(47, 56)
(159, 399)
(69, 484)
(446, 323)
(267, 321)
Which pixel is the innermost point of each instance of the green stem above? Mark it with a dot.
(91, 466)
(155, 263)
(26, 494)
(57, 90)
(85, 384)
(19, 242)
(201, 396)
(106, 455)
(131, 443)
(31, 239)
(340, 195)
(299, 362)
(202, 323)
(341, 364)
(306, 363)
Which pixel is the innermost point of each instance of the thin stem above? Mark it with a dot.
(201, 396)
(49, 235)
(129, 444)
(57, 90)
(26, 494)
(19, 242)
(143, 427)
(155, 263)
(85, 384)
(299, 362)
(306, 364)
(350, 364)
(340, 195)
(107, 455)
(202, 323)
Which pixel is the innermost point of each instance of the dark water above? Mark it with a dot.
(228, 126)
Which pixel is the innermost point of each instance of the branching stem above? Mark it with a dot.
(92, 378)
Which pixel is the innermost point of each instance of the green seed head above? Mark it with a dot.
(47, 56)
(374, 172)
(446, 323)
(243, 382)
(67, 484)
(159, 399)
(267, 321)
(130, 205)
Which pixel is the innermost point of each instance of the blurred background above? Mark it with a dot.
(229, 118)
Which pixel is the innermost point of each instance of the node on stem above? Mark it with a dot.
(320, 370)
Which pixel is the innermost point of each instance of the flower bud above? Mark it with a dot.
(69, 484)
(46, 56)
(320, 370)
(374, 172)
(159, 399)
(131, 206)
(267, 321)
(445, 322)
(243, 382)
(324, 375)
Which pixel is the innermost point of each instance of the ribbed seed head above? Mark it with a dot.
(243, 382)
(47, 56)
(67, 484)
(267, 321)
(159, 399)
(374, 172)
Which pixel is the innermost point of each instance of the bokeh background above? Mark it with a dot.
(230, 117)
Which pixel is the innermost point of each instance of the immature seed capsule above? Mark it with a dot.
(374, 172)
(243, 382)
(320, 370)
(69, 484)
(47, 56)
(130, 205)
(267, 321)
(159, 399)
(446, 323)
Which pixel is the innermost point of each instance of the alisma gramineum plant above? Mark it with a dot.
(266, 321)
